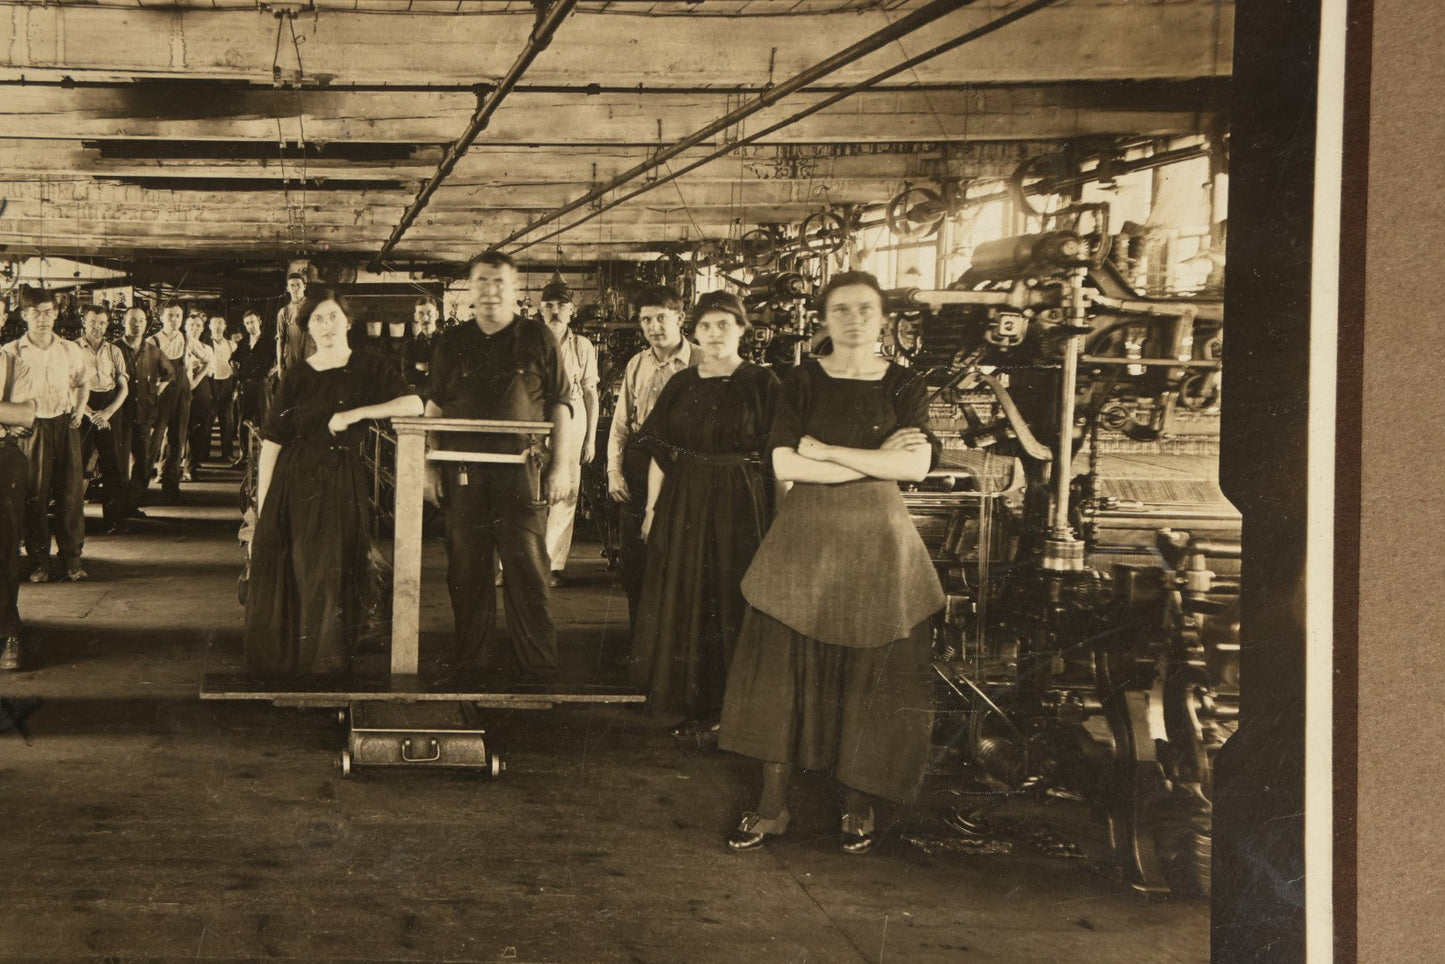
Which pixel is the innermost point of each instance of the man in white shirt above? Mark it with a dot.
(579, 361)
(56, 378)
(223, 393)
(173, 405)
(659, 312)
(200, 362)
(101, 432)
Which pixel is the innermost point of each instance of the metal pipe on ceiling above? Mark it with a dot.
(876, 79)
(541, 37)
(919, 18)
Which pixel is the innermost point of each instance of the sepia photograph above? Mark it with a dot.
(668, 480)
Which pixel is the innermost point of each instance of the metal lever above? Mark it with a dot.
(1031, 446)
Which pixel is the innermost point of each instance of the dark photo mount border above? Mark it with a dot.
(1259, 846)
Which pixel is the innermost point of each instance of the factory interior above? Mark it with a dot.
(1041, 189)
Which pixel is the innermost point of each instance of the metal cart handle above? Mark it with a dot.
(436, 752)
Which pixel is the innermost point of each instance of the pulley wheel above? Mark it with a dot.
(823, 233)
(914, 213)
(1030, 173)
(759, 247)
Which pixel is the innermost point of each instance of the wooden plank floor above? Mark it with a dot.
(143, 822)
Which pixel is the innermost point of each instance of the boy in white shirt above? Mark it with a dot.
(56, 376)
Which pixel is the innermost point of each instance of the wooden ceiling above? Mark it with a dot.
(265, 130)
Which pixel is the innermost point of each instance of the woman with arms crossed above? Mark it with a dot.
(832, 668)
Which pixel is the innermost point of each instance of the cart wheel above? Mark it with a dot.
(344, 762)
(495, 766)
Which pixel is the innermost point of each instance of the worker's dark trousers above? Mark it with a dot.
(55, 468)
(173, 415)
(14, 483)
(632, 548)
(250, 397)
(137, 456)
(493, 513)
(110, 457)
(198, 427)
(223, 404)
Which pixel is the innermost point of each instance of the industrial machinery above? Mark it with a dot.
(1091, 636)
(780, 305)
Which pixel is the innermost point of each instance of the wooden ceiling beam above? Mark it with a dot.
(152, 226)
(53, 159)
(65, 198)
(1182, 38)
(634, 225)
(268, 252)
(66, 158)
(1017, 113)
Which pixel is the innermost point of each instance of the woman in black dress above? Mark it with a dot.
(303, 607)
(708, 504)
(831, 670)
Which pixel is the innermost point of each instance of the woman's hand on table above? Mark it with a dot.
(340, 422)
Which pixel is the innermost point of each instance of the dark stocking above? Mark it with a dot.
(856, 802)
(775, 789)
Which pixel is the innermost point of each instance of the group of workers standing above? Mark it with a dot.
(192, 374)
(779, 593)
(120, 404)
(136, 407)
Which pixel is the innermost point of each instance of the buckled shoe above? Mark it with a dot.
(754, 829)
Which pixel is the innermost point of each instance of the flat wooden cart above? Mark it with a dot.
(403, 720)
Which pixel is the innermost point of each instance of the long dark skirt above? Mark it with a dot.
(304, 608)
(707, 523)
(865, 715)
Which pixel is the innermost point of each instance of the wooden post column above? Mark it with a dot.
(411, 440)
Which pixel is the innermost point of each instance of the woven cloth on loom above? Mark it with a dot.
(1163, 478)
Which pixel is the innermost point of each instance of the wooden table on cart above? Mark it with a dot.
(403, 720)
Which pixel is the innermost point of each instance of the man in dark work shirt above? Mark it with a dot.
(501, 366)
(293, 344)
(423, 340)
